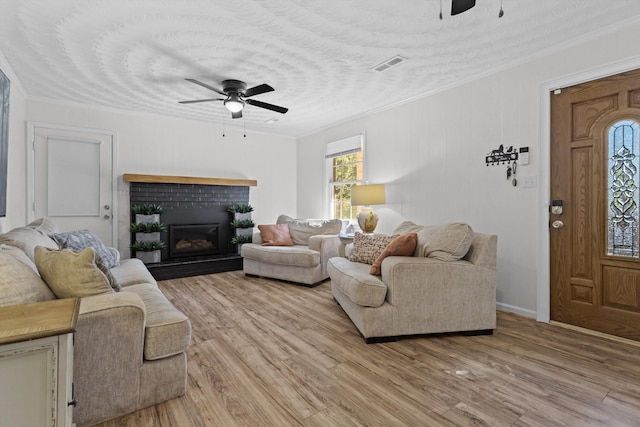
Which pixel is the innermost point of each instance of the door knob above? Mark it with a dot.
(106, 217)
(557, 224)
(107, 207)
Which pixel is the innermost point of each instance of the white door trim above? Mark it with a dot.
(31, 132)
(543, 293)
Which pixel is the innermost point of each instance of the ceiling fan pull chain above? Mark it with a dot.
(244, 119)
(501, 13)
(223, 127)
(441, 10)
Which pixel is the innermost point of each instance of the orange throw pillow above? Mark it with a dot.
(403, 245)
(275, 235)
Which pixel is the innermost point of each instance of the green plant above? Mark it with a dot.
(147, 246)
(147, 209)
(149, 227)
(240, 208)
(239, 240)
(243, 223)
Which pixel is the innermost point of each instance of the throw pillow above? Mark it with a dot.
(403, 245)
(275, 235)
(368, 247)
(301, 229)
(46, 225)
(19, 283)
(81, 239)
(27, 238)
(107, 272)
(448, 242)
(71, 274)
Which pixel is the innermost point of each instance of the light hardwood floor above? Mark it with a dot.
(268, 353)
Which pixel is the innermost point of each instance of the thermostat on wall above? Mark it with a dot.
(523, 158)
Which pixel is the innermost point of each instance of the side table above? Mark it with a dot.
(345, 239)
(36, 363)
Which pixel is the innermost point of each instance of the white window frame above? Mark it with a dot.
(338, 148)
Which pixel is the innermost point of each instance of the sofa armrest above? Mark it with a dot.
(327, 245)
(108, 346)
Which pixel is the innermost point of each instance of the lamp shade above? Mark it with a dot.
(366, 195)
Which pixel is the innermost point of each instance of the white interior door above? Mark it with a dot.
(73, 179)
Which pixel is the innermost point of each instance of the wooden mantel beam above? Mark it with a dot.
(168, 179)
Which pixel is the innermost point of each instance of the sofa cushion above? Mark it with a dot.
(275, 235)
(19, 283)
(71, 274)
(301, 229)
(28, 237)
(167, 330)
(403, 245)
(354, 280)
(448, 242)
(132, 271)
(300, 256)
(46, 225)
(81, 239)
(368, 247)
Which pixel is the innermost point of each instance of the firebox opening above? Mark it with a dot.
(193, 240)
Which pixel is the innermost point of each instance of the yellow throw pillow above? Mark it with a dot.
(71, 274)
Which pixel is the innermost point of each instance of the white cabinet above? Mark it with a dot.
(36, 363)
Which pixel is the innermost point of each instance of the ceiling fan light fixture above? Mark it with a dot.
(233, 103)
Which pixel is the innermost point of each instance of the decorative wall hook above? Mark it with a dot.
(501, 156)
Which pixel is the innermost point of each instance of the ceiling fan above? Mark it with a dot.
(459, 6)
(237, 95)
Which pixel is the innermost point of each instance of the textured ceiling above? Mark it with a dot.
(318, 55)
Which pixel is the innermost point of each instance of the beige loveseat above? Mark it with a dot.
(314, 242)
(448, 285)
(129, 346)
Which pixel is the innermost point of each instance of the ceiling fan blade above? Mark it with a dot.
(206, 86)
(271, 107)
(459, 6)
(200, 100)
(257, 90)
(237, 115)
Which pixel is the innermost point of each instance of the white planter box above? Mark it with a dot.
(244, 231)
(148, 257)
(242, 216)
(148, 237)
(147, 219)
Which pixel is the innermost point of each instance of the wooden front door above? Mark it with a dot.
(595, 187)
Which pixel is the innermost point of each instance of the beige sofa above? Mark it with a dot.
(446, 286)
(129, 346)
(305, 263)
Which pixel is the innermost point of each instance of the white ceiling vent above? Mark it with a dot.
(389, 63)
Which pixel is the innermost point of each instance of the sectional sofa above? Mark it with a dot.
(130, 343)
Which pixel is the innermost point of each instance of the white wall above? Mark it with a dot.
(431, 154)
(16, 160)
(153, 144)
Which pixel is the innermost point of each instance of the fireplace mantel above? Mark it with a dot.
(168, 179)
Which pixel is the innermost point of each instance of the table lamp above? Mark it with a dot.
(367, 195)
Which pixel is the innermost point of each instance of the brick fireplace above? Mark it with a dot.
(198, 236)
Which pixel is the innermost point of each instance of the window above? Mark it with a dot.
(623, 183)
(344, 169)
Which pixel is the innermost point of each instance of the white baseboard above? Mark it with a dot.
(517, 310)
